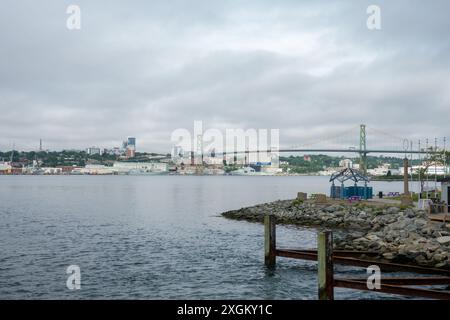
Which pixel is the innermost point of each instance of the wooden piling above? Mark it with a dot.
(302, 196)
(269, 240)
(325, 257)
(405, 177)
(325, 265)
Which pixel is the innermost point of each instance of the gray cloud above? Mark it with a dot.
(145, 68)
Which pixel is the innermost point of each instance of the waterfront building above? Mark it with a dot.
(5, 168)
(271, 170)
(346, 163)
(50, 170)
(245, 171)
(383, 170)
(213, 171)
(139, 167)
(213, 161)
(94, 169)
(438, 170)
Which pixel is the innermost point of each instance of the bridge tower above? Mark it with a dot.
(362, 149)
(199, 149)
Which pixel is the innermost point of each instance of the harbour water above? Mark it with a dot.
(151, 237)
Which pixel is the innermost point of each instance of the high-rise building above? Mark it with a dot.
(131, 141)
(131, 147)
(131, 153)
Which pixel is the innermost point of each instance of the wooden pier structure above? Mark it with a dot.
(326, 257)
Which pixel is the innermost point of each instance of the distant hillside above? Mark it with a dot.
(316, 163)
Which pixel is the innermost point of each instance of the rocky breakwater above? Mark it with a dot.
(396, 234)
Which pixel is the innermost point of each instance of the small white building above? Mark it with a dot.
(51, 170)
(383, 170)
(213, 160)
(5, 166)
(346, 163)
(93, 151)
(95, 169)
(139, 167)
(272, 170)
(439, 170)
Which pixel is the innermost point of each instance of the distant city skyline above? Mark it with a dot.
(144, 69)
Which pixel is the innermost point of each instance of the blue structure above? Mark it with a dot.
(343, 192)
(131, 141)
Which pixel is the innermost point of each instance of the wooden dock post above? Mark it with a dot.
(405, 177)
(269, 240)
(325, 265)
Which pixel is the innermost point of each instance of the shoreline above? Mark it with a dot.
(395, 233)
(199, 175)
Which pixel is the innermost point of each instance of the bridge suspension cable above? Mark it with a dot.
(341, 139)
(387, 140)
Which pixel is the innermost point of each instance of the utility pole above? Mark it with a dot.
(435, 169)
(411, 162)
(427, 166)
(445, 157)
(362, 149)
(420, 172)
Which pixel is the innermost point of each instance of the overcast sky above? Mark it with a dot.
(146, 68)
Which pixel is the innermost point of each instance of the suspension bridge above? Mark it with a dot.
(381, 143)
(361, 140)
